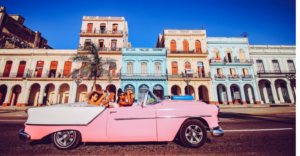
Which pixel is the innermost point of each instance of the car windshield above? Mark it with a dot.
(151, 98)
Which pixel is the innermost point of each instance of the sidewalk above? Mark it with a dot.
(224, 106)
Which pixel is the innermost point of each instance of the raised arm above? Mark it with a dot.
(98, 102)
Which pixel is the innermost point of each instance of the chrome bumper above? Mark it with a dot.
(23, 136)
(217, 131)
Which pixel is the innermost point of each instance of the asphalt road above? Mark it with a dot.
(246, 133)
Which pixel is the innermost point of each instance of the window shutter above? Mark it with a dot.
(67, 68)
(7, 69)
(21, 69)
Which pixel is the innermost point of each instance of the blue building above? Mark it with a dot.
(232, 72)
(144, 68)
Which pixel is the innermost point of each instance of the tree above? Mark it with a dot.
(94, 66)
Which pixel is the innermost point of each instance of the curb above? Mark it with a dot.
(256, 106)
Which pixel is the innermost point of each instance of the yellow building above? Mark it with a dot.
(187, 57)
(32, 77)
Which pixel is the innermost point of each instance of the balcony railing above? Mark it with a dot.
(247, 76)
(234, 77)
(225, 60)
(186, 52)
(243, 61)
(193, 75)
(101, 49)
(220, 76)
(12, 75)
(276, 72)
(216, 60)
(141, 75)
(101, 32)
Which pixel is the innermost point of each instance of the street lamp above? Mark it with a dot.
(77, 80)
(187, 80)
(291, 77)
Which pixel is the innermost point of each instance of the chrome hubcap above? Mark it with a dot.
(65, 138)
(193, 134)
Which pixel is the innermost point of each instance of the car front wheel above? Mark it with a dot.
(193, 133)
(66, 139)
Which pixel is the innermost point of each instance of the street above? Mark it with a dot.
(251, 131)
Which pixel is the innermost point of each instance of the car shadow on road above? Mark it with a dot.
(45, 140)
(286, 120)
(112, 144)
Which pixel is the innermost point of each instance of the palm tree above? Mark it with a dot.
(94, 66)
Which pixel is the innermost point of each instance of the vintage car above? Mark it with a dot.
(147, 120)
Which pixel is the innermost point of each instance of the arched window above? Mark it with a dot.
(173, 45)
(143, 69)
(115, 28)
(198, 47)
(7, 68)
(242, 57)
(102, 28)
(174, 68)
(89, 28)
(200, 68)
(187, 65)
(21, 69)
(216, 54)
(185, 45)
(86, 43)
(130, 68)
(101, 45)
(157, 69)
(229, 55)
(113, 45)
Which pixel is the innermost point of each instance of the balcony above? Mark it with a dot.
(143, 76)
(243, 61)
(247, 77)
(186, 52)
(233, 77)
(193, 76)
(216, 60)
(12, 75)
(262, 72)
(101, 32)
(101, 49)
(220, 76)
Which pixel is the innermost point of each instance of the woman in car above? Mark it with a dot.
(95, 97)
(126, 99)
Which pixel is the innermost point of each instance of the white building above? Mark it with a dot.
(271, 66)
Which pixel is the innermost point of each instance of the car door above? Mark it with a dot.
(133, 121)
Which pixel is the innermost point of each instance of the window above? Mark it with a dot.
(291, 66)
(260, 66)
(53, 67)
(276, 66)
(187, 65)
(129, 69)
(157, 69)
(216, 54)
(87, 43)
(174, 68)
(229, 55)
(173, 45)
(89, 28)
(143, 69)
(200, 68)
(67, 68)
(232, 71)
(21, 69)
(39, 68)
(115, 29)
(102, 28)
(219, 71)
(151, 99)
(7, 69)
(242, 57)
(185, 45)
(198, 47)
(101, 45)
(245, 71)
(113, 45)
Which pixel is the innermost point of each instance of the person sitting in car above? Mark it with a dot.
(126, 99)
(96, 97)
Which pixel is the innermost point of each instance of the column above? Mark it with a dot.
(26, 95)
(46, 68)
(196, 93)
(288, 85)
(89, 87)
(274, 93)
(243, 95)
(41, 95)
(1, 63)
(215, 94)
(74, 91)
(250, 95)
(257, 95)
(12, 72)
(279, 91)
(55, 95)
(265, 92)
(7, 97)
(220, 88)
(19, 102)
(229, 98)
(182, 89)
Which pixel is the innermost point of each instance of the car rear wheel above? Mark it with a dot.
(66, 139)
(193, 133)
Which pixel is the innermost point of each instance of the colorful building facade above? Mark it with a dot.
(187, 57)
(232, 72)
(144, 68)
(272, 65)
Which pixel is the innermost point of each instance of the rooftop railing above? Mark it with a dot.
(101, 32)
(101, 49)
(186, 52)
(141, 75)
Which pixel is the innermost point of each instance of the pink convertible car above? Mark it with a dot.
(147, 120)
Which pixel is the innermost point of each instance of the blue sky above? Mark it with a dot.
(268, 22)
